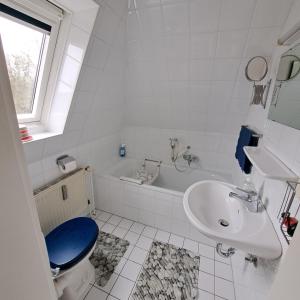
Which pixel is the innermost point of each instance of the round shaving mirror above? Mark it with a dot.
(256, 69)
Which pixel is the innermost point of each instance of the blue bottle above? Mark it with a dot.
(122, 150)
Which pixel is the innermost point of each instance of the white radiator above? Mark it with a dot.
(64, 198)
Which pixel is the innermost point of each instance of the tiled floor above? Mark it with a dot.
(215, 275)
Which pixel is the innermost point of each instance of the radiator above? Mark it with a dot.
(67, 197)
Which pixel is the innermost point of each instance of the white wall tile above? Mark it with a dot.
(181, 54)
(147, 3)
(98, 54)
(177, 46)
(262, 16)
(77, 43)
(133, 26)
(242, 10)
(176, 18)
(205, 15)
(225, 69)
(60, 106)
(118, 6)
(70, 71)
(84, 20)
(34, 151)
(75, 140)
(201, 69)
(178, 70)
(203, 45)
(106, 24)
(261, 41)
(231, 43)
(151, 22)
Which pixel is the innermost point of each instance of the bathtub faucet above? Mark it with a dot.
(173, 143)
(189, 157)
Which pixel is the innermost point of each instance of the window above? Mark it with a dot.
(29, 39)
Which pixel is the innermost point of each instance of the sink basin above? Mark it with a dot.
(225, 219)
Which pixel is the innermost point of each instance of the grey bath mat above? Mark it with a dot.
(168, 273)
(107, 254)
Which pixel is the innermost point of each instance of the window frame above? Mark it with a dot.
(52, 16)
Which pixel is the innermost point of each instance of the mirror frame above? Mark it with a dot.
(290, 55)
(278, 85)
(247, 66)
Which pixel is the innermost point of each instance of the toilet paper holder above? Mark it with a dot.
(65, 160)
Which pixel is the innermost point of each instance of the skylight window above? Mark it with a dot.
(28, 43)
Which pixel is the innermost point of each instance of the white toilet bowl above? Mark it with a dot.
(70, 246)
(73, 283)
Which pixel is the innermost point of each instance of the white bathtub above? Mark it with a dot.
(158, 205)
(169, 178)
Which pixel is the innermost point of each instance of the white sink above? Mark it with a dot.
(208, 206)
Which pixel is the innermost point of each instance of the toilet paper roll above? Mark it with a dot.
(68, 166)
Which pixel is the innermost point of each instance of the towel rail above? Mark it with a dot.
(256, 134)
(155, 161)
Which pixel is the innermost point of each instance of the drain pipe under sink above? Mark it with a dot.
(224, 253)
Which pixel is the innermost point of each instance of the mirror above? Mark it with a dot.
(289, 67)
(256, 69)
(285, 104)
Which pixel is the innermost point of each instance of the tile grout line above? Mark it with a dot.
(154, 239)
(106, 222)
(139, 274)
(152, 227)
(234, 292)
(118, 275)
(214, 274)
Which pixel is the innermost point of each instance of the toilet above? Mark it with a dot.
(69, 247)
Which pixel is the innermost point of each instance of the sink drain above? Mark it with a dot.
(223, 223)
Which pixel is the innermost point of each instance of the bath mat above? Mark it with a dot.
(168, 273)
(106, 256)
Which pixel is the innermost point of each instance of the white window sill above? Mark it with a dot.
(42, 136)
(38, 132)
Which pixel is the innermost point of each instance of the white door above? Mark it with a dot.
(24, 266)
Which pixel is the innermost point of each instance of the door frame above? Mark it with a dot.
(24, 263)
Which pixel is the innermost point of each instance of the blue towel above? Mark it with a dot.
(247, 138)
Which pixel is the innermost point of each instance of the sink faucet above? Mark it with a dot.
(251, 197)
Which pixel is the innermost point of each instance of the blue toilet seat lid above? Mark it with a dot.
(68, 243)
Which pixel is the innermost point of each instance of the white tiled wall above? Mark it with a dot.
(185, 78)
(92, 131)
(186, 61)
(100, 154)
(73, 38)
(282, 140)
(215, 150)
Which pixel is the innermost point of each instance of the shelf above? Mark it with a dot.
(269, 165)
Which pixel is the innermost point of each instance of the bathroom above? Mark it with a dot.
(168, 79)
